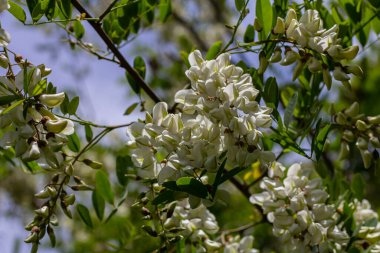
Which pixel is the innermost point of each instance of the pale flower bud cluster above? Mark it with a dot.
(296, 204)
(35, 133)
(219, 114)
(240, 245)
(368, 227)
(194, 224)
(361, 130)
(314, 43)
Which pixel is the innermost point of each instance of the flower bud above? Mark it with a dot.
(42, 194)
(375, 141)
(69, 169)
(350, 52)
(344, 151)
(366, 157)
(298, 69)
(56, 126)
(361, 143)
(279, 28)
(354, 69)
(44, 70)
(32, 154)
(348, 136)
(69, 199)
(33, 237)
(263, 63)
(340, 118)
(290, 57)
(52, 100)
(290, 15)
(276, 56)
(257, 25)
(340, 75)
(353, 110)
(361, 125)
(4, 62)
(314, 65)
(374, 119)
(43, 211)
(327, 78)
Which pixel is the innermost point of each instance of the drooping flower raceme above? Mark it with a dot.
(198, 225)
(367, 225)
(218, 115)
(295, 202)
(36, 132)
(316, 47)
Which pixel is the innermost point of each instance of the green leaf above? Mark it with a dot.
(320, 139)
(39, 10)
(103, 186)
(167, 196)
(84, 214)
(265, 14)
(192, 186)
(88, 132)
(219, 174)
(78, 29)
(93, 164)
(165, 9)
(73, 105)
(131, 108)
(5, 100)
(113, 212)
(17, 11)
(31, 4)
(98, 203)
(50, 10)
(249, 34)
(214, 50)
(51, 234)
(123, 163)
(358, 186)
(271, 94)
(290, 109)
(39, 88)
(239, 4)
(10, 108)
(65, 7)
(65, 104)
(73, 142)
(140, 66)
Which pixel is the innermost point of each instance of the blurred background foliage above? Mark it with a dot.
(173, 28)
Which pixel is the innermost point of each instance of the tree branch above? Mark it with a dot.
(123, 62)
(108, 10)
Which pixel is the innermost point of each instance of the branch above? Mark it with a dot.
(108, 10)
(123, 62)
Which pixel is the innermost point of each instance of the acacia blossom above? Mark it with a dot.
(217, 115)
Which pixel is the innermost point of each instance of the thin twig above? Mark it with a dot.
(108, 10)
(123, 62)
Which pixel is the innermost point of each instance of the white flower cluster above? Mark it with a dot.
(219, 114)
(367, 221)
(314, 43)
(243, 245)
(361, 130)
(295, 202)
(198, 224)
(36, 132)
